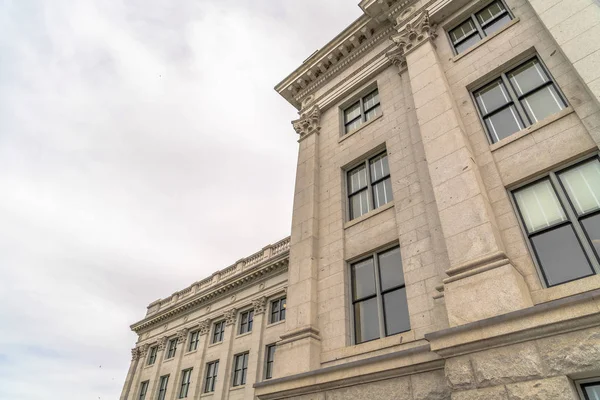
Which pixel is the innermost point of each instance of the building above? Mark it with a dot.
(445, 239)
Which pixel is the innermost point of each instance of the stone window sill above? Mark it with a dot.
(190, 352)
(484, 41)
(149, 366)
(275, 323)
(363, 126)
(209, 394)
(368, 215)
(530, 129)
(237, 388)
(168, 360)
(239, 335)
(566, 290)
(215, 344)
(367, 348)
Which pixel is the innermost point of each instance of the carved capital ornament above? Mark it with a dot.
(162, 343)
(308, 123)
(204, 327)
(260, 305)
(230, 316)
(182, 335)
(135, 354)
(414, 33)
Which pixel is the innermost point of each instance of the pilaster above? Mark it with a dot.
(133, 371)
(226, 357)
(254, 373)
(182, 336)
(200, 367)
(482, 281)
(160, 356)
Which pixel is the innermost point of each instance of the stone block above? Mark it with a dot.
(493, 393)
(573, 352)
(459, 373)
(510, 364)
(558, 388)
(397, 388)
(430, 386)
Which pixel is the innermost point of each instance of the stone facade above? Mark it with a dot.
(484, 322)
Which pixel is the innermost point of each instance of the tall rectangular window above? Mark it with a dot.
(194, 339)
(517, 99)
(269, 359)
(561, 217)
(246, 320)
(212, 368)
(172, 348)
(143, 390)
(278, 310)
(379, 296)
(186, 377)
(152, 355)
(591, 391)
(218, 331)
(364, 110)
(479, 25)
(369, 185)
(240, 367)
(162, 387)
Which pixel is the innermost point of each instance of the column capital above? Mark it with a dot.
(308, 123)
(135, 354)
(204, 327)
(260, 305)
(230, 316)
(398, 58)
(182, 335)
(411, 35)
(162, 343)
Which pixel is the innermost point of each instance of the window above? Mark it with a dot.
(364, 110)
(561, 217)
(519, 98)
(379, 296)
(162, 387)
(269, 358)
(479, 25)
(246, 321)
(278, 310)
(240, 365)
(211, 376)
(143, 390)
(194, 339)
(591, 391)
(172, 349)
(219, 331)
(185, 383)
(369, 184)
(152, 355)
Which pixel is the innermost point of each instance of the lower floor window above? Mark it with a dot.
(379, 296)
(591, 390)
(186, 377)
(240, 365)
(212, 369)
(561, 217)
(162, 387)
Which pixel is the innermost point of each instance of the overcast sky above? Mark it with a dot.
(142, 147)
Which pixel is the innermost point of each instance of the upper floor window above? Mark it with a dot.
(143, 390)
(278, 310)
(379, 296)
(218, 331)
(212, 368)
(479, 25)
(561, 217)
(172, 348)
(162, 387)
(517, 99)
(194, 339)
(240, 367)
(269, 359)
(186, 377)
(246, 320)
(591, 391)
(364, 110)
(152, 355)
(369, 186)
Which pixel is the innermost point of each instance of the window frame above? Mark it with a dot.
(194, 340)
(572, 219)
(213, 378)
(185, 384)
(479, 27)
(366, 163)
(269, 360)
(515, 99)
(279, 311)
(171, 346)
(220, 332)
(248, 324)
(143, 390)
(243, 371)
(152, 354)
(162, 392)
(363, 112)
(583, 383)
(374, 255)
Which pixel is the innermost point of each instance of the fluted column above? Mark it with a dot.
(226, 360)
(254, 373)
(482, 281)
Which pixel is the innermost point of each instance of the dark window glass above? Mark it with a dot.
(269, 359)
(162, 387)
(532, 97)
(246, 321)
(172, 349)
(185, 383)
(278, 310)
(219, 331)
(212, 369)
(240, 364)
(592, 229)
(591, 391)
(362, 111)
(376, 279)
(373, 174)
(143, 390)
(152, 355)
(194, 338)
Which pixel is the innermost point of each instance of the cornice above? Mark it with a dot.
(235, 282)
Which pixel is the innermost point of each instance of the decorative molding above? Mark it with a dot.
(414, 33)
(162, 343)
(397, 57)
(204, 327)
(182, 335)
(144, 350)
(135, 354)
(230, 316)
(260, 305)
(308, 123)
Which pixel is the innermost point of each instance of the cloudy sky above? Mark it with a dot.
(142, 147)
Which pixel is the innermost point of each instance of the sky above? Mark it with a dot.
(142, 147)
